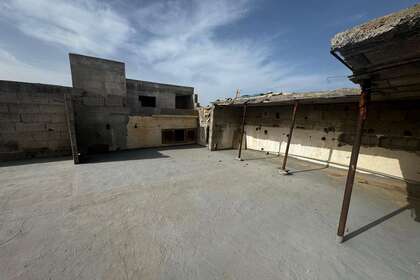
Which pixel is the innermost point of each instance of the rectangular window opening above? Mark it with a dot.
(147, 101)
(179, 135)
(190, 135)
(168, 136)
(183, 102)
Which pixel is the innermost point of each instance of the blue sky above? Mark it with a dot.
(215, 46)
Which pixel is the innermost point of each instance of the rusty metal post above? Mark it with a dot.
(363, 104)
(242, 131)
(289, 138)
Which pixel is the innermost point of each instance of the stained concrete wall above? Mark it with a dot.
(165, 95)
(390, 145)
(146, 131)
(225, 128)
(32, 120)
(100, 109)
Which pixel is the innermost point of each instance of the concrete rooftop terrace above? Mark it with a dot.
(187, 213)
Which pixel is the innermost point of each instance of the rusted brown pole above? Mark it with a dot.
(363, 103)
(242, 131)
(289, 138)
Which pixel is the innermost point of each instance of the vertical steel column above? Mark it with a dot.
(242, 131)
(292, 126)
(363, 104)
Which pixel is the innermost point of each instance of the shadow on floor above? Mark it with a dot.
(309, 170)
(34, 161)
(261, 158)
(376, 222)
(135, 154)
(413, 198)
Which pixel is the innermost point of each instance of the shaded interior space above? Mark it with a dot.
(183, 102)
(147, 101)
(188, 213)
(178, 136)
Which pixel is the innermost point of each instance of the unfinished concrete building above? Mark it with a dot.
(192, 212)
(103, 111)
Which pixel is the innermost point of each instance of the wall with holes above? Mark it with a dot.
(325, 133)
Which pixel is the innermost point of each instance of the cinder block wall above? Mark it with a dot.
(325, 133)
(32, 120)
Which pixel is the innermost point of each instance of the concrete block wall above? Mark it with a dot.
(33, 120)
(165, 98)
(325, 133)
(100, 105)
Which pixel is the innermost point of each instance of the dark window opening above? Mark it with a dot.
(168, 136)
(190, 135)
(147, 101)
(179, 135)
(408, 133)
(183, 102)
(277, 115)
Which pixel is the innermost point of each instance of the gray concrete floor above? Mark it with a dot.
(187, 213)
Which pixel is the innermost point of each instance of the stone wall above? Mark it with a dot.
(33, 120)
(325, 133)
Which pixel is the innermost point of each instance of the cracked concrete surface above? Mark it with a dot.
(187, 213)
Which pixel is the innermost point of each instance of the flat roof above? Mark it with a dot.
(188, 213)
(386, 27)
(339, 96)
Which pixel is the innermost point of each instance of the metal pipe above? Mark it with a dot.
(363, 104)
(242, 131)
(289, 138)
(341, 60)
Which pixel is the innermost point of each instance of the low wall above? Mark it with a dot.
(33, 120)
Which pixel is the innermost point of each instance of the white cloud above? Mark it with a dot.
(181, 46)
(80, 25)
(13, 69)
